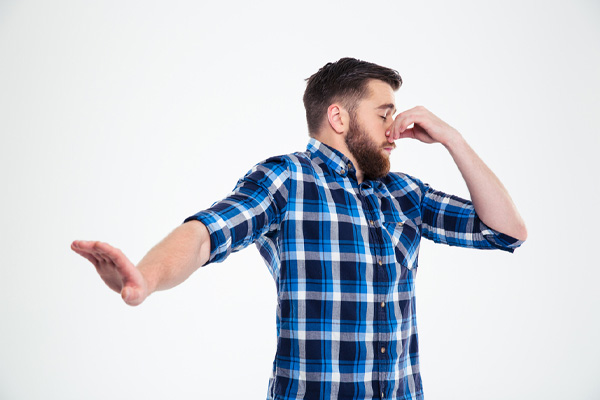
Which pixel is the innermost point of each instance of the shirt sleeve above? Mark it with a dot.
(452, 220)
(254, 208)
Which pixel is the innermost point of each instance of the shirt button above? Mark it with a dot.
(380, 262)
(372, 222)
(342, 171)
(382, 395)
(382, 304)
(400, 223)
(382, 350)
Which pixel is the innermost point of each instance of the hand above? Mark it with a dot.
(115, 270)
(427, 128)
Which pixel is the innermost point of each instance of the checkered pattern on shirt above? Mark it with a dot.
(344, 258)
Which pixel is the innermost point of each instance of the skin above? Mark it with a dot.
(187, 248)
(167, 265)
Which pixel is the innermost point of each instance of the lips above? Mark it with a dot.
(389, 149)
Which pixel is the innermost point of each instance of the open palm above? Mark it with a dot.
(115, 269)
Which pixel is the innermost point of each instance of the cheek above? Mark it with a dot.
(377, 128)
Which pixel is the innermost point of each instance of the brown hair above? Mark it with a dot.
(345, 81)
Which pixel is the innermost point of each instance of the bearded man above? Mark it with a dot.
(340, 234)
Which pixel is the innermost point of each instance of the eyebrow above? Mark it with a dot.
(387, 106)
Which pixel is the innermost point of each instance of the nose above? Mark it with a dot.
(390, 123)
(390, 120)
(388, 127)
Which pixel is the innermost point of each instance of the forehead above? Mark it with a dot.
(379, 93)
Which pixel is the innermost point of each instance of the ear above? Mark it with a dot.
(338, 118)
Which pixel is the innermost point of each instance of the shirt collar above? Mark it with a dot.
(334, 159)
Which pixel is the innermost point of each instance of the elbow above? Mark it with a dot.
(521, 232)
(516, 230)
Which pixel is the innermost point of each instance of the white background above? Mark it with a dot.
(118, 119)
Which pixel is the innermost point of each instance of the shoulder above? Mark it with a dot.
(401, 184)
(281, 167)
(298, 162)
(277, 164)
(402, 180)
(296, 158)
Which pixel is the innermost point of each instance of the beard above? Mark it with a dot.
(369, 156)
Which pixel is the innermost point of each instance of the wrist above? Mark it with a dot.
(454, 142)
(148, 279)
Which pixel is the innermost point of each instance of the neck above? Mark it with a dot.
(338, 143)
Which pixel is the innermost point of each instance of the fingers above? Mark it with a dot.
(114, 268)
(87, 250)
(99, 252)
(84, 249)
(403, 121)
(399, 128)
(112, 265)
(110, 254)
(407, 133)
(421, 124)
(89, 257)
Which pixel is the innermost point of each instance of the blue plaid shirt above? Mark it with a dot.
(344, 258)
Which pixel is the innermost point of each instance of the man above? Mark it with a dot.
(340, 235)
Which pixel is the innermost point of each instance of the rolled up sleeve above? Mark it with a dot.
(453, 221)
(254, 208)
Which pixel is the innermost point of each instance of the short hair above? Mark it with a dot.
(345, 81)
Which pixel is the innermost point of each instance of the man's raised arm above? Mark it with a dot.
(168, 264)
(490, 199)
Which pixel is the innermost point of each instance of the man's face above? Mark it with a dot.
(366, 138)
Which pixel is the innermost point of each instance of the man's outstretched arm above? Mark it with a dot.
(490, 198)
(168, 264)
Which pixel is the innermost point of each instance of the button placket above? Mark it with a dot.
(376, 228)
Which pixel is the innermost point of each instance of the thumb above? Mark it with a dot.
(132, 296)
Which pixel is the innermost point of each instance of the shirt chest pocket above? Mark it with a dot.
(406, 237)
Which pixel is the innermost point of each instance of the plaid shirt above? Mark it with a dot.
(344, 259)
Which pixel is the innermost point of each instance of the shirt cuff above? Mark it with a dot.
(220, 235)
(499, 240)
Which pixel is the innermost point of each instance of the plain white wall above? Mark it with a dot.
(119, 119)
